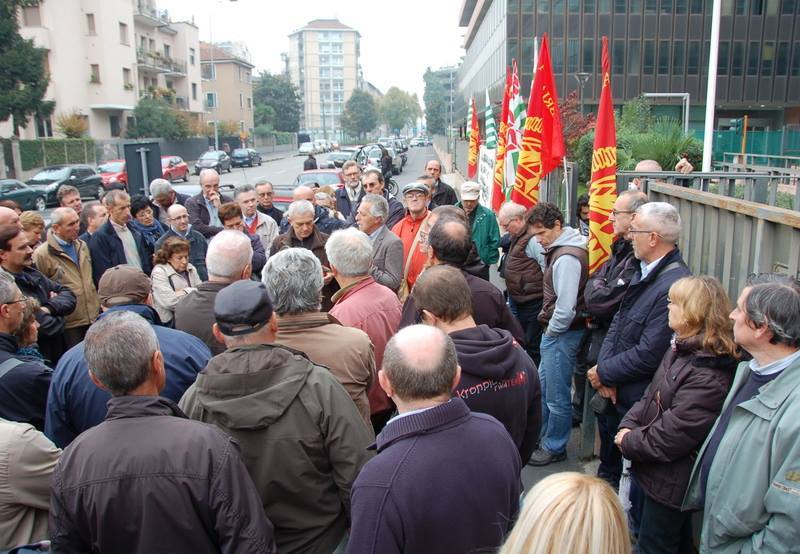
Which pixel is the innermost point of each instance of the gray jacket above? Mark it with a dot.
(566, 273)
(387, 259)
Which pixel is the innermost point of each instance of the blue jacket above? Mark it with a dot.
(23, 388)
(107, 251)
(639, 334)
(343, 204)
(198, 245)
(75, 403)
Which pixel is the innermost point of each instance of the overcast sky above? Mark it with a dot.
(399, 38)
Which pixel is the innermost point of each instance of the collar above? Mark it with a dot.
(61, 242)
(352, 287)
(147, 312)
(182, 235)
(647, 268)
(120, 407)
(374, 234)
(8, 343)
(422, 422)
(249, 220)
(412, 412)
(775, 367)
(305, 321)
(119, 228)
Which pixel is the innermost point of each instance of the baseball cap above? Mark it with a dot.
(470, 190)
(123, 284)
(416, 187)
(242, 308)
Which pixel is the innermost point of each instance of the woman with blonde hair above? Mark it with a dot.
(570, 513)
(33, 226)
(662, 433)
(173, 276)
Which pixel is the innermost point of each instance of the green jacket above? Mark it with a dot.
(752, 499)
(485, 234)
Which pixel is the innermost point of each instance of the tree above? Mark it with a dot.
(72, 125)
(435, 105)
(573, 123)
(359, 115)
(23, 79)
(280, 94)
(156, 118)
(398, 109)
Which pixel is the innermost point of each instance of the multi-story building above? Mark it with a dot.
(656, 46)
(324, 64)
(103, 55)
(227, 85)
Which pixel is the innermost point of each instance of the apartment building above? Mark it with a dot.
(227, 84)
(324, 64)
(103, 55)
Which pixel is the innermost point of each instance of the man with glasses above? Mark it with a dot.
(231, 217)
(24, 383)
(443, 194)
(264, 195)
(374, 184)
(349, 196)
(408, 229)
(639, 333)
(179, 226)
(257, 224)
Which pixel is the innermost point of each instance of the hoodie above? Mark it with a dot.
(302, 438)
(500, 379)
(566, 281)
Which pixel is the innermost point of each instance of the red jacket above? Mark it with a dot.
(407, 228)
(374, 309)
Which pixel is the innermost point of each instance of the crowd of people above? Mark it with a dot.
(211, 374)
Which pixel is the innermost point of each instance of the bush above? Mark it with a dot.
(72, 125)
(42, 152)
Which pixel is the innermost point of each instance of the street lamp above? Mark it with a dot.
(581, 77)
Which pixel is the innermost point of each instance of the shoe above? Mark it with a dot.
(542, 457)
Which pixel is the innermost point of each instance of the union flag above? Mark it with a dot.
(474, 143)
(603, 187)
(542, 147)
(498, 184)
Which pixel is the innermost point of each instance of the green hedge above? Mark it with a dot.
(39, 153)
(284, 138)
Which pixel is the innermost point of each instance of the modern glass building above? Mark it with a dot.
(656, 46)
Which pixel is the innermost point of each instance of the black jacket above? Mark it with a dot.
(444, 195)
(24, 387)
(606, 287)
(669, 424)
(310, 163)
(33, 283)
(148, 479)
(273, 212)
(107, 251)
(498, 378)
(199, 216)
(343, 204)
(194, 314)
(180, 198)
(322, 220)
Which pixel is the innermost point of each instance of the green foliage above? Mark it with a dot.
(398, 109)
(23, 80)
(360, 115)
(264, 116)
(72, 125)
(636, 116)
(42, 152)
(435, 105)
(283, 98)
(157, 118)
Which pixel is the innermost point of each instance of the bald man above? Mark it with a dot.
(179, 226)
(203, 207)
(322, 219)
(644, 166)
(9, 217)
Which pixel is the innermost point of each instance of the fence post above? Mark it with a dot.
(2, 162)
(66, 152)
(16, 158)
(85, 152)
(44, 153)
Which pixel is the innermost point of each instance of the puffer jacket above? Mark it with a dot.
(669, 424)
(55, 264)
(34, 283)
(302, 439)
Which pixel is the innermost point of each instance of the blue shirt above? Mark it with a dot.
(68, 248)
(213, 213)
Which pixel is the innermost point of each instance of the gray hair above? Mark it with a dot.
(420, 373)
(228, 254)
(241, 189)
(774, 302)
(350, 163)
(663, 218)
(376, 172)
(115, 195)
(159, 187)
(263, 181)
(58, 215)
(299, 207)
(8, 287)
(636, 199)
(511, 210)
(378, 206)
(119, 348)
(293, 278)
(350, 251)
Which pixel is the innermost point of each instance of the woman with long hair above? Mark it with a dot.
(662, 433)
(570, 513)
(173, 276)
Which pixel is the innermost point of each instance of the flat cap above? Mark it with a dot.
(416, 186)
(470, 190)
(123, 284)
(242, 308)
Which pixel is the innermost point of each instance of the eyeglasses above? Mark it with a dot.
(634, 231)
(23, 299)
(415, 194)
(351, 175)
(615, 213)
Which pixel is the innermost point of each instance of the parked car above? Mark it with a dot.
(307, 148)
(245, 157)
(213, 159)
(113, 171)
(320, 146)
(27, 197)
(53, 177)
(338, 158)
(333, 177)
(174, 168)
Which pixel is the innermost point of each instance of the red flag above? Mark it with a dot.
(542, 140)
(474, 143)
(498, 190)
(603, 187)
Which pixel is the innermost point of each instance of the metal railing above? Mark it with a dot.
(157, 60)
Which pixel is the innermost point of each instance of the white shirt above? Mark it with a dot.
(774, 367)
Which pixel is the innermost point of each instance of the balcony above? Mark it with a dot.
(150, 16)
(155, 62)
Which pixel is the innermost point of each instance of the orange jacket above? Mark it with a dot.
(407, 229)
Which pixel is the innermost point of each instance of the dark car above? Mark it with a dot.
(338, 158)
(322, 177)
(213, 159)
(245, 157)
(27, 197)
(82, 177)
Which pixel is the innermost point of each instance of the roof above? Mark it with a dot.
(325, 25)
(209, 52)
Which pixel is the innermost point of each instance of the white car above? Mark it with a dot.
(307, 148)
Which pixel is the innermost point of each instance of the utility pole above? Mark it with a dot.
(581, 78)
(711, 83)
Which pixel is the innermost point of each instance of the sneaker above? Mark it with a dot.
(542, 457)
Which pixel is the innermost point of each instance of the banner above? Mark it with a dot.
(603, 187)
(474, 143)
(486, 175)
(498, 183)
(491, 132)
(542, 147)
(469, 119)
(514, 124)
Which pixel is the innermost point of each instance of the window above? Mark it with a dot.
(650, 6)
(723, 58)
(693, 58)
(191, 56)
(752, 57)
(32, 17)
(208, 71)
(772, 7)
(636, 6)
(618, 57)
(634, 57)
(740, 7)
(663, 57)
(249, 103)
(574, 6)
(757, 7)
(126, 77)
(143, 43)
(620, 6)
(767, 58)
(696, 6)
(241, 100)
(649, 58)
(678, 55)
(337, 60)
(194, 91)
(90, 24)
(782, 61)
(796, 60)
(167, 51)
(737, 59)
(572, 55)
(123, 33)
(604, 6)
(588, 55)
(325, 60)
(588, 6)
(95, 77)
(666, 7)
(787, 7)
(557, 52)
(681, 6)
(44, 127)
(241, 125)
(211, 99)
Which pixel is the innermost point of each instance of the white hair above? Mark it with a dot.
(510, 210)
(159, 187)
(293, 278)
(662, 218)
(350, 252)
(228, 254)
(378, 206)
(299, 207)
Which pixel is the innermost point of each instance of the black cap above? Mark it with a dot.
(242, 308)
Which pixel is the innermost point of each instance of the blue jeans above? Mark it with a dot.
(527, 314)
(559, 355)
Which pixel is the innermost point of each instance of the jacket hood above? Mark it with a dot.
(485, 352)
(250, 387)
(569, 237)
(693, 346)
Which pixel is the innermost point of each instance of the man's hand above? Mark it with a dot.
(327, 275)
(594, 378)
(608, 392)
(45, 310)
(213, 197)
(620, 435)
